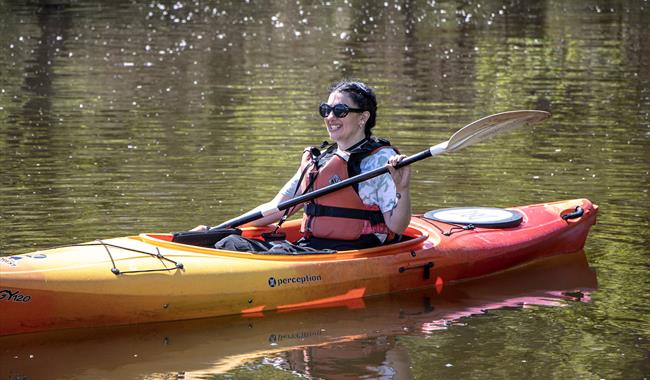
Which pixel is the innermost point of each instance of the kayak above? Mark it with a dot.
(209, 346)
(150, 277)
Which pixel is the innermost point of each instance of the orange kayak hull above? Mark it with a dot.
(149, 278)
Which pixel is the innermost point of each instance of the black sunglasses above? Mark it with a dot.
(340, 110)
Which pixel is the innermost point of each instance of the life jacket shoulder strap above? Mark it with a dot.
(364, 150)
(369, 145)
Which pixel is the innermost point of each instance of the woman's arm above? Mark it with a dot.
(289, 188)
(399, 217)
(271, 218)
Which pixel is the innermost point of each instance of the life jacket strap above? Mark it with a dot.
(374, 217)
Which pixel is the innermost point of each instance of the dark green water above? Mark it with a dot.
(123, 117)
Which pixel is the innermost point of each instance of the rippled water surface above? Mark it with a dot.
(122, 117)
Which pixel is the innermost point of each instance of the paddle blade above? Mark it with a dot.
(492, 125)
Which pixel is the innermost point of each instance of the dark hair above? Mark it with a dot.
(363, 96)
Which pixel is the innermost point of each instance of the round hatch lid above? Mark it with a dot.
(486, 217)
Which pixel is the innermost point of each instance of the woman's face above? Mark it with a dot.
(348, 130)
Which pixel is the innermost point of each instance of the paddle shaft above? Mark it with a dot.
(466, 136)
(235, 222)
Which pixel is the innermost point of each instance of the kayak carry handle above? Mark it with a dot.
(575, 214)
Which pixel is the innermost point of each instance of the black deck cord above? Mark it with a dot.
(116, 271)
(455, 228)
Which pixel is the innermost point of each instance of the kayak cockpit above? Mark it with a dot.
(414, 236)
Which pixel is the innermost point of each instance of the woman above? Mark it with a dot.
(363, 216)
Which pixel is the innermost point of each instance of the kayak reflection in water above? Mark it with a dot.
(369, 214)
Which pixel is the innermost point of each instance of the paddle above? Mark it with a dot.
(468, 135)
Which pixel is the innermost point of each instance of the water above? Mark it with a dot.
(123, 117)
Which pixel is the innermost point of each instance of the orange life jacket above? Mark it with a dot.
(340, 215)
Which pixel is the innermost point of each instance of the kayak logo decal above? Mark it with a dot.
(13, 260)
(37, 256)
(8, 295)
(277, 282)
(8, 260)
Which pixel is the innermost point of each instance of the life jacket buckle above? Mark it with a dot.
(273, 236)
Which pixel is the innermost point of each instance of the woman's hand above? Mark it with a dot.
(398, 218)
(401, 176)
(201, 228)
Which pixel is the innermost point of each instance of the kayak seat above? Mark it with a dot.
(204, 238)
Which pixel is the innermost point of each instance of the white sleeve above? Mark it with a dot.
(380, 190)
(289, 188)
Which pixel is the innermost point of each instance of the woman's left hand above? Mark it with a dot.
(401, 176)
(399, 217)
